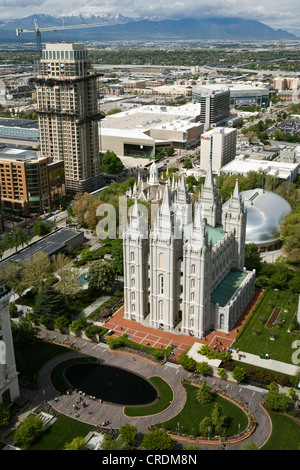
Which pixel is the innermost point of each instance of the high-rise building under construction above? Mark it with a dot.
(67, 107)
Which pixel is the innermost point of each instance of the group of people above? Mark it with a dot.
(80, 401)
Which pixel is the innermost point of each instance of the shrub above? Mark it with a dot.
(28, 431)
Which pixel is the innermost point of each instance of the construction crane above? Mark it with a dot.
(37, 30)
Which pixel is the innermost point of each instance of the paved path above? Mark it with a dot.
(171, 373)
(269, 364)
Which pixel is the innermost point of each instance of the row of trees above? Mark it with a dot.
(19, 238)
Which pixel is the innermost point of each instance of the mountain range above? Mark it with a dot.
(121, 28)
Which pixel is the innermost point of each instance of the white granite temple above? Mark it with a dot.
(186, 272)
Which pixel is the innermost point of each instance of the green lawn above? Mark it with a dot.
(255, 337)
(188, 420)
(31, 358)
(165, 398)
(285, 434)
(62, 431)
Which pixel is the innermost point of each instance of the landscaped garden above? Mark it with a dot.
(259, 336)
(196, 418)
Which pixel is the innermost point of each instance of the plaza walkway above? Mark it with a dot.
(96, 413)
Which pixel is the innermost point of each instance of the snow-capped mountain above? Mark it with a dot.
(92, 14)
(106, 26)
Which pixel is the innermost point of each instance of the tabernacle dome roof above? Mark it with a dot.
(265, 212)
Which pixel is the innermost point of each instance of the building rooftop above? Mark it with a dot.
(265, 213)
(21, 155)
(23, 123)
(50, 244)
(215, 234)
(281, 170)
(225, 290)
(152, 116)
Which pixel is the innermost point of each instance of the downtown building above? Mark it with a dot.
(186, 272)
(67, 106)
(218, 146)
(214, 106)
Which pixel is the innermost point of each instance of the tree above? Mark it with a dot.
(4, 414)
(290, 236)
(61, 323)
(187, 362)
(204, 393)
(252, 257)
(85, 209)
(68, 276)
(128, 433)
(78, 443)
(35, 270)
(40, 228)
(78, 325)
(205, 426)
(218, 420)
(117, 256)
(157, 440)
(277, 401)
(25, 332)
(49, 304)
(111, 163)
(101, 277)
(203, 368)
(19, 237)
(12, 273)
(187, 163)
(110, 443)
(28, 431)
(238, 374)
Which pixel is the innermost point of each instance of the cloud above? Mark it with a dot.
(275, 13)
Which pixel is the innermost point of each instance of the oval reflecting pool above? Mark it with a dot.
(111, 384)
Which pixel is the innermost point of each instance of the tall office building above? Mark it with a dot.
(215, 105)
(68, 112)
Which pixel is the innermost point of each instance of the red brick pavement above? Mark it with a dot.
(161, 339)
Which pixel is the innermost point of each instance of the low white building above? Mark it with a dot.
(136, 132)
(281, 170)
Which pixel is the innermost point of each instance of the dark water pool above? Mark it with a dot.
(111, 384)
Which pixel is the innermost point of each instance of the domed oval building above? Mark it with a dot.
(265, 212)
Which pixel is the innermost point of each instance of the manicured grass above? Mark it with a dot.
(62, 431)
(188, 420)
(165, 398)
(259, 342)
(31, 357)
(285, 434)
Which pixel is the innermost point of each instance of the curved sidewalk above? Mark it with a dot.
(171, 373)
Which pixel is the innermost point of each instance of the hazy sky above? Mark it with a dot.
(284, 14)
